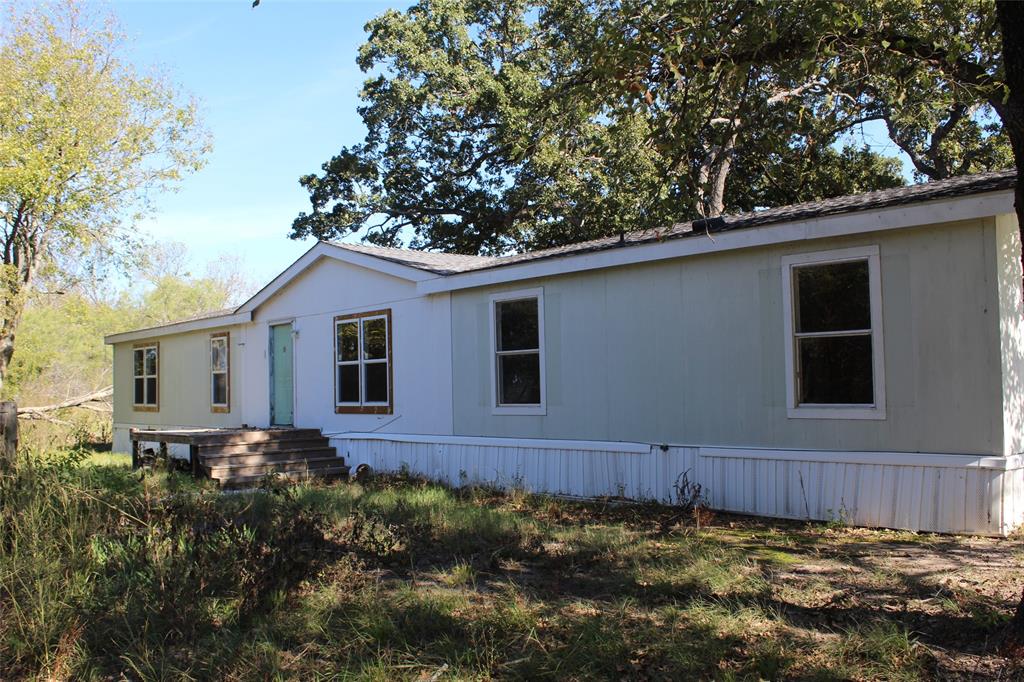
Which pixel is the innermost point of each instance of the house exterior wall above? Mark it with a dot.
(184, 384)
(663, 373)
(1011, 331)
(691, 351)
(421, 355)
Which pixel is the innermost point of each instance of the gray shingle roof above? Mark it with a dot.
(451, 264)
(431, 261)
(208, 315)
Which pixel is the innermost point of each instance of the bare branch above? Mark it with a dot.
(41, 411)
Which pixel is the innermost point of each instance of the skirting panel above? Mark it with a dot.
(940, 493)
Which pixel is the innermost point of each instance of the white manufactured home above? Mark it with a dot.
(857, 358)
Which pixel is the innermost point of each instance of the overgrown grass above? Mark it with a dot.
(106, 572)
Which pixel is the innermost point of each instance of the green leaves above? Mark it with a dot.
(84, 141)
(507, 125)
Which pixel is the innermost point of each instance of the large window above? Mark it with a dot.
(145, 377)
(834, 332)
(220, 372)
(517, 328)
(362, 356)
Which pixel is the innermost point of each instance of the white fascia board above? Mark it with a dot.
(325, 250)
(858, 222)
(179, 328)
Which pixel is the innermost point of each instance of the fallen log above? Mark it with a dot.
(87, 401)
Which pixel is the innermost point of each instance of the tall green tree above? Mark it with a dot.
(84, 140)
(511, 124)
(497, 125)
(928, 69)
(936, 73)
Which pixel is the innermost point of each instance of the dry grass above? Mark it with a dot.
(401, 579)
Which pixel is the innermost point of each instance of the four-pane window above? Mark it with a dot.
(362, 348)
(145, 371)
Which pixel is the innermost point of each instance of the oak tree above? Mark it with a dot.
(85, 138)
(497, 125)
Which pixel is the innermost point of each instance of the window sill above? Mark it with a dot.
(838, 412)
(363, 409)
(146, 408)
(535, 410)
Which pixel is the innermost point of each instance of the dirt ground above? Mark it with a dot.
(954, 594)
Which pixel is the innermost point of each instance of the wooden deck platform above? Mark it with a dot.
(244, 456)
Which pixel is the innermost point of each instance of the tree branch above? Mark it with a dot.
(41, 411)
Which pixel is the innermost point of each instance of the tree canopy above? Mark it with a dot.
(84, 140)
(497, 125)
(163, 289)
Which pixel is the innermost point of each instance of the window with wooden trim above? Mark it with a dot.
(833, 324)
(220, 372)
(517, 335)
(363, 367)
(145, 376)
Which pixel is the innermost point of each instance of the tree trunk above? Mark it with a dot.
(6, 350)
(8, 433)
(1011, 24)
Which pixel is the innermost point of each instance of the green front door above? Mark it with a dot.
(282, 398)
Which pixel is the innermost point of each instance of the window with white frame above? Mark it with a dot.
(220, 381)
(145, 376)
(834, 353)
(363, 369)
(517, 328)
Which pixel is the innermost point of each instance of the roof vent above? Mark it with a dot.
(708, 224)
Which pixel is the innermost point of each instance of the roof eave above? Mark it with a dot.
(229, 320)
(926, 212)
(329, 250)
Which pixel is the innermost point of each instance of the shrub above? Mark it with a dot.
(150, 564)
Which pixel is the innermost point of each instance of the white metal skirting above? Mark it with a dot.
(941, 493)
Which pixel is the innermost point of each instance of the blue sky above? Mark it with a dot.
(278, 88)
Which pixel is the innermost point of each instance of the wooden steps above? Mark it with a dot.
(243, 458)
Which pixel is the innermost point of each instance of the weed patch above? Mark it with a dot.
(108, 573)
